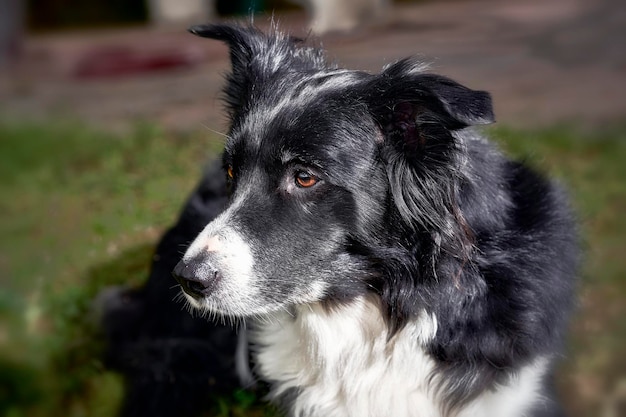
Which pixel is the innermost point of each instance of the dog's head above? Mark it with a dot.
(324, 166)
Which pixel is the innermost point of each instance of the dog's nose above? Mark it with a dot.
(196, 278)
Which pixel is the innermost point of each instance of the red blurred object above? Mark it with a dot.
(109, 62)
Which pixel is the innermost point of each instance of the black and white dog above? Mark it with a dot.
(393, 262)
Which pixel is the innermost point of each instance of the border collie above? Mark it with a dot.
(391, 260)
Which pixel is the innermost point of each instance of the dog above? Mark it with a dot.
(388, 259)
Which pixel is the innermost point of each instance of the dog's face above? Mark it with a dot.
(311, 159)
(305, 181)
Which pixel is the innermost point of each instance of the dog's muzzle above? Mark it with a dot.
(197, 276)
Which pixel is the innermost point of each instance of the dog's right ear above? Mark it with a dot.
(256, 57)
(244, 43)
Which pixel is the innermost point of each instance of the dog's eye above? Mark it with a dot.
(305, 180)
(230, 172)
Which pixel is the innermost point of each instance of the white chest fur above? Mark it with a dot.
(342, 365)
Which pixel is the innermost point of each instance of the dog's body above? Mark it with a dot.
(393, 261)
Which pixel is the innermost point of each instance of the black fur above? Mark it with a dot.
(412, 205)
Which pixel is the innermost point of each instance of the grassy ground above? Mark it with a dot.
(81, 209)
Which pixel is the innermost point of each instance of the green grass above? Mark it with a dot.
(82, 209)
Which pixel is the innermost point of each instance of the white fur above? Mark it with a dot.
(342, 365)
(258, 119)
(513, 399)
(242, 363)
(233, 257)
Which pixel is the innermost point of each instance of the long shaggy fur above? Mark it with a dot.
(439, 252)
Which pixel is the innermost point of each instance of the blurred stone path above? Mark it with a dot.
(544, 62)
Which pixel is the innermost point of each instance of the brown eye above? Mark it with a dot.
(305, 180)
(230, 172)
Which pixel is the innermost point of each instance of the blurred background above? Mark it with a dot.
(109, 109)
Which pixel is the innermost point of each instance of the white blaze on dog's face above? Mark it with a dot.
(225, 264)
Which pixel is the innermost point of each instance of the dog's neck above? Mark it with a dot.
(321, 350)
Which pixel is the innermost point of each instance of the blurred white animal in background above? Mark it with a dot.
(343, 15)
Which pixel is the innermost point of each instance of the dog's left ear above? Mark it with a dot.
(403, 97)
(418, 114)
(460, 106)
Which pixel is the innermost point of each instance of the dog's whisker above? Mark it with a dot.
(224, 135)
